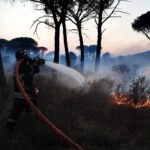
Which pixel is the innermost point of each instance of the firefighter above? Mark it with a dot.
(27, 69)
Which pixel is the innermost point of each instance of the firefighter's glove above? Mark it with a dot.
(35, 91)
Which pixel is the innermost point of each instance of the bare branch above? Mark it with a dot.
(111, 12)
(146, 34)
(40, 22)
(36, 1)
(96, 20)
(85, 35)
(72, 30)
(45, 16)
(118, 11)
(72, 20)
(87, 19)
(103, 31)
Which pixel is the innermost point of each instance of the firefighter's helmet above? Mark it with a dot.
(20, 54)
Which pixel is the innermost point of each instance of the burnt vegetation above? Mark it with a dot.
(88, 116)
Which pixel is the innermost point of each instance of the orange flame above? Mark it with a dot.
(121, 99)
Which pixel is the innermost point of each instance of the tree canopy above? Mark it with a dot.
(22, 43)
(142, 24)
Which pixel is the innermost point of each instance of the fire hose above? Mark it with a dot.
(43, 118)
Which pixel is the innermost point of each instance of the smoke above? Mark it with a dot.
(131, 67)
(9, 60)
(105, 72)
(144, 71)
(137, 64)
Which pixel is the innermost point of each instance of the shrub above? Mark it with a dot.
(139, 90)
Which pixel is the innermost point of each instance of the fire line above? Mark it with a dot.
(121, 99)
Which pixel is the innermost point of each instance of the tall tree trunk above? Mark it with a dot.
(81, 47)
(99, 42)
(2, 77)
(57, 36)
(66, 43)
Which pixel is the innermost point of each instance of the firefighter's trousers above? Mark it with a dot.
(19, 106)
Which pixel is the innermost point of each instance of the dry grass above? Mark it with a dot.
(87, 116)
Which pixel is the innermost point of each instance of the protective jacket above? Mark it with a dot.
(26, 71)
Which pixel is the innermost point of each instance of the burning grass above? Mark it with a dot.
(121, 99)
(89, 116)
(138, 95)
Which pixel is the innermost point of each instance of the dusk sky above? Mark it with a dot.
(118, 39)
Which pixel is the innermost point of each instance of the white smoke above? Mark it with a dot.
(105, 72)
(144, 71)
(9, 61)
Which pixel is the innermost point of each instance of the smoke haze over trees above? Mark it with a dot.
(78, 12)
(10, 47)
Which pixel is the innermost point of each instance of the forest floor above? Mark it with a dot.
(87, 116)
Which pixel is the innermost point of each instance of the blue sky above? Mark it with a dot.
(118, 39)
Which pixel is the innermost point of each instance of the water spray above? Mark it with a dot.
(67, 76)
